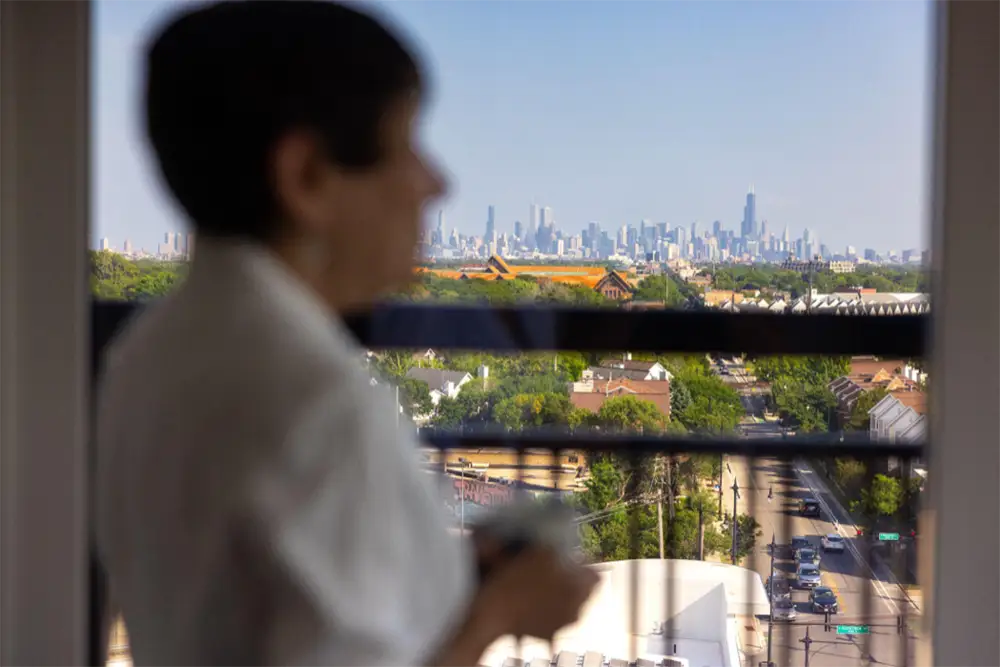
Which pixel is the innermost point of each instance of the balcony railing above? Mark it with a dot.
(873, 570)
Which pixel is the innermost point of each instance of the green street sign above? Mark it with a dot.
(852, 629)
(888, 537)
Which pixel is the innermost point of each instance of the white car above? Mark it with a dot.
(833, 542)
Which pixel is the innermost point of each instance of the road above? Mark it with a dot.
(847, 574)
(867, 595)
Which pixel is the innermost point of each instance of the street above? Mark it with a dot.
(846, 574)
(866, 595)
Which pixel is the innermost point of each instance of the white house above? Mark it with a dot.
(610, 369)
(892, 420)
(440, 382)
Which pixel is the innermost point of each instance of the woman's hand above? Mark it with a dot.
(535, 592)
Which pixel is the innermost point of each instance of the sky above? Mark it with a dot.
(619, 111)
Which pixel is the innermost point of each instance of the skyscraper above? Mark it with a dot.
(717, 229)
(529, 239)
(490, 222)
(749, 227)
(694, 230)
(545, 218)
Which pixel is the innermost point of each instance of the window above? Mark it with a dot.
(612, 178)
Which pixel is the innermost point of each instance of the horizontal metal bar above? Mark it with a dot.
(596, 329)
(562, 328)
(804, 445)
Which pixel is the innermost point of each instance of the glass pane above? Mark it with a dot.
(601, 155)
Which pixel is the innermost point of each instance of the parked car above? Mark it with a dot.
(807, 576)
(809, 507)
(822, 600)
(807, 555)
(784, 610)
(833, 542)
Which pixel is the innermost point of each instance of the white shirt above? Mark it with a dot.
(257, 503)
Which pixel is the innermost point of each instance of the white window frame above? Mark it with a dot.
(45, 55)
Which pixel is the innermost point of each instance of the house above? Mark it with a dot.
(636, 370)
(591, 396)
(441, 383)
(867, 373)
(899, 417)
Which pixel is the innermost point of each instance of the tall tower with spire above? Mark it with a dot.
(749, 227)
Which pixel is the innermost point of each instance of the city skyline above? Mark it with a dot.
(670, 111)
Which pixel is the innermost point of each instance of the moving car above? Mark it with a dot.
(822, 600)
(833, 542)
(809, 507)
(807, 575)
(807, 555)
(778, 588)
(784, 610)
(800, 542)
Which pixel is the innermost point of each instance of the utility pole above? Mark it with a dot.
(807, 641)
(736, 495)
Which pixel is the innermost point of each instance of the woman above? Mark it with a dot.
(255, 504)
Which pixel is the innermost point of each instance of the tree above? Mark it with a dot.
(631, 414)
(882, 498)
(680, 397)
(747, 532)
(415, 397)
(859, 419)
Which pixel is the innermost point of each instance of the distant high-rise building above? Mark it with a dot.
(694, 230)
(105, 244)
(717, 229)
(532, 226)
(127, 247)
(749, 227)
(490, 221)
(870, 254)
(518, 229)
(852, 252)
(764, 233)
(545, 217)
(439, 235)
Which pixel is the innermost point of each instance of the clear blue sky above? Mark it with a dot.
(619, 111)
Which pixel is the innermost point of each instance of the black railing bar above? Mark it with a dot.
(902, 569)
(750, 464)
(518, 329)
(633, 484)
(820, 445)
(785, 483)
(670, 631)
(563, 328)
(868, 584)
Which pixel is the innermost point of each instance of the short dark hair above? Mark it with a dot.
(226, 81)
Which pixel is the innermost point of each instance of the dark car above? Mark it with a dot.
(807, 555)
(822, 599)
(809, 507)
(778, 588)
(799, 542)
